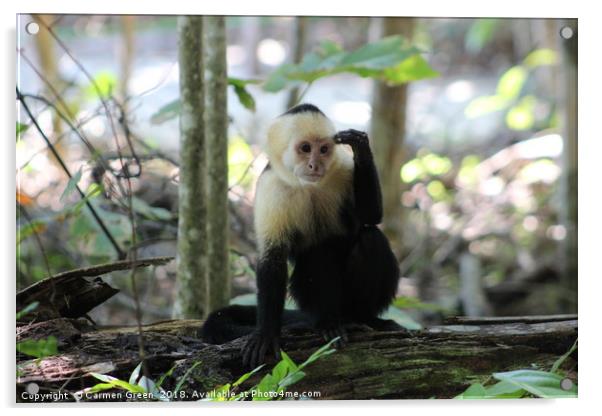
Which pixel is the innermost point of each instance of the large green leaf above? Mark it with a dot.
(38, 348)
(539, 383)
(390, 59)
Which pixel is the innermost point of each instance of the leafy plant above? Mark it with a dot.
(28, 309)
(39, 348)
(137, 384)
(272, 385)
(390, 59)
(509, 93)
(521, 383)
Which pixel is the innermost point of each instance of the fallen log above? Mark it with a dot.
(73, 294)
(437, 362)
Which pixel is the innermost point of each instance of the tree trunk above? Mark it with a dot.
(438, 362)
(192, 287)
(298, 41)
(216, 112)
(568, 210)
(387, 132)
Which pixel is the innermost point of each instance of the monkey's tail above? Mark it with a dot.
(236, 321)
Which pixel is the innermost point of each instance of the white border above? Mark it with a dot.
(590, 210)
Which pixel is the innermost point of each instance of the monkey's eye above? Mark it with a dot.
(324, 149)
(305, 148)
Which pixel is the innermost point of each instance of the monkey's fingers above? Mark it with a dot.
(350, 137)
(276, 348)
(248, 352)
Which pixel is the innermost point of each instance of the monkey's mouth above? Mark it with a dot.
(313, 177)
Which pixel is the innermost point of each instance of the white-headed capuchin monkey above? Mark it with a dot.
(317, 204)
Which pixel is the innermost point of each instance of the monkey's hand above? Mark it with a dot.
(256, 348)
(353, 138)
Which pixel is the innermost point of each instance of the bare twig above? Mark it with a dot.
(97, 218)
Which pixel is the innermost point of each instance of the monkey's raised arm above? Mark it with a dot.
(366, 186)
(271, 291)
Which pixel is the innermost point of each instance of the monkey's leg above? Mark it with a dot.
(316, 286)
(373, 275)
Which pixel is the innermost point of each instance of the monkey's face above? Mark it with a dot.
(312, 158)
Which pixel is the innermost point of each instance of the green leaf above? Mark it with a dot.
(538, 383)
(500, 390)
(291, 364)
(279, 80)
(485, 105)
(135, 374)
(390, 59)
(511, 82)
(21, 128)
(26, 230)
(321, 352)
(541, 57)
(411, 69)
(562, 359)
(474, 391)
(522, 115)
(479, 34)
(505, 390)
(29, 308)
(38, 348)
(118, 384)
(292, 378)
(409, 302)
(245, 376)
(71, 185)
(102, 85)
(245, 98)
(167, 112)
(184, 377)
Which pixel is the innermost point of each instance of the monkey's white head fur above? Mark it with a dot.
(284, 137)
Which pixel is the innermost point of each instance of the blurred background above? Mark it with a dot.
(476, 149)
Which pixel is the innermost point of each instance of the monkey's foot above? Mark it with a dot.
(256, 348)
(333, 332)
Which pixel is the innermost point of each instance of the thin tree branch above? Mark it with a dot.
(105, 230)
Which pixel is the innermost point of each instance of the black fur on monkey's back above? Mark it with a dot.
(339, 278)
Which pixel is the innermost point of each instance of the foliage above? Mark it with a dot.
(479, 34)
(525, 383)
(240, 158)
(28, 309)
(392, 60)
(273, 385)
(141, 386)
(171, 110)
(101, 86)
(38, 348)
(509, 97)
(21, 128)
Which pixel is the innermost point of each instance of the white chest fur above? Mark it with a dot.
(282, 210)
